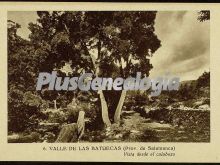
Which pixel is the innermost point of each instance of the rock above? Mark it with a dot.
(161, 122)
(46, 124)
(118, 136)
(147, 109)
(204, 107)
(198, 102)
(147, 120)
(33, 137)
(68, 133)
(169, 107)
(181, 127)
(48, 127)
(49, 137)
(13, 137)
(134, 131)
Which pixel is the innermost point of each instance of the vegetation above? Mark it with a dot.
(108, 44)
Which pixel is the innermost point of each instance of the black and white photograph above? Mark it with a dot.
(108, 76)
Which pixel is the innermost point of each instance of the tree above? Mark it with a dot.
(204, 15)
(23, 101)
(203, 80)
(94, 42)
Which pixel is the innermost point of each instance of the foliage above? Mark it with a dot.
(204, 15)
(23, 102)
(120, 42)
(203, 80)
(115, 39)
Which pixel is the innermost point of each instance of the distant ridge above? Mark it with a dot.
(188, 82)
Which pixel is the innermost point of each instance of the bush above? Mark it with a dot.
(23, 110)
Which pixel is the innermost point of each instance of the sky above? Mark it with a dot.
(185, 41)
(185, 47)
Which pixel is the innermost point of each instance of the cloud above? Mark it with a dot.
(185, 45)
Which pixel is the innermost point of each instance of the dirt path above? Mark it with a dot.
(135, 128)
(145, 130)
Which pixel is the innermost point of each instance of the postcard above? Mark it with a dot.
(113, 82)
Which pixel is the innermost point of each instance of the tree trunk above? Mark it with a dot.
(105, 116)
(81, 124)
(72, 132)
(55, 104)
(119, 107)
(68, 133)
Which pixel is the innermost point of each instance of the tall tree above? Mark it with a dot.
(23, 101)
(204, 15)
(94, 42)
